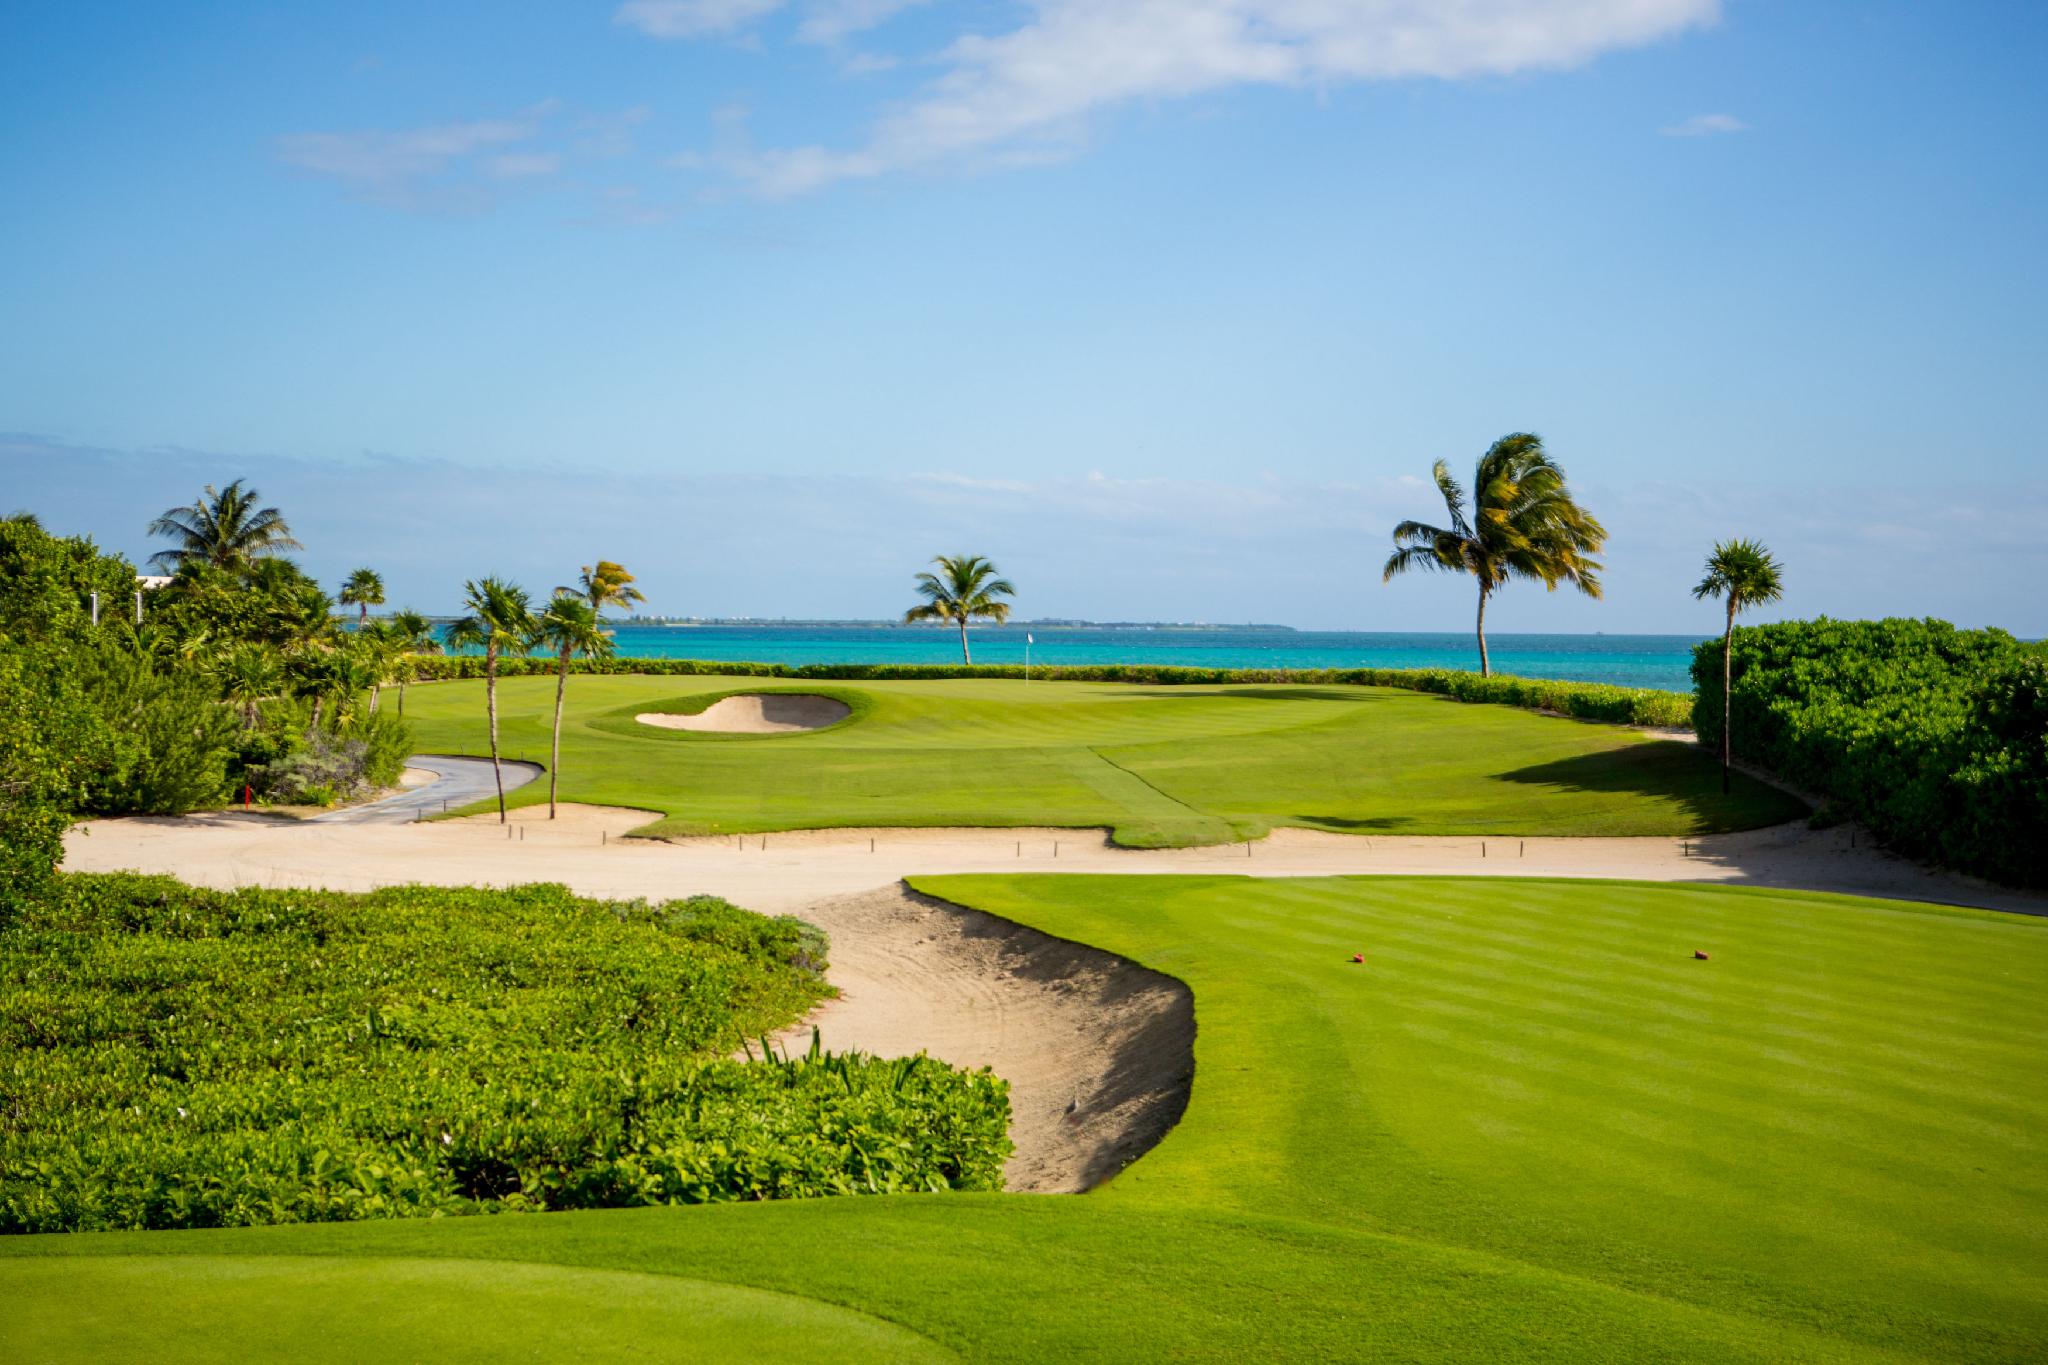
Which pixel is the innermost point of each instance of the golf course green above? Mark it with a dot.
(1529, 1125)
(1158, 766)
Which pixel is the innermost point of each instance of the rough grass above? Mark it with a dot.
(1529, 1127)
(1159, 766)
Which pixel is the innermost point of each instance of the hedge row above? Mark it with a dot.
(1936, 738)
(177, 1057)
(1586, 701)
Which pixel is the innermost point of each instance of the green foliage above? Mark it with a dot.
(269, 602)
(1584, 701)
(47, 583)
(51, 739)
(172, 737)
(177, 1057)
(1936, 738)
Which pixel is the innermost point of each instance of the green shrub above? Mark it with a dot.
(172, 736)
(51, 739)
(1585, 701)
(1936, 738)
(176, 1057)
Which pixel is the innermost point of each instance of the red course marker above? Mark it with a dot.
(1698, 956)
(1358, 957)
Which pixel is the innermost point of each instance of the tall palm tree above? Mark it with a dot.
(1744, 574)
(965, 587)
(569, 627)
(1522, 523)
(413, 634)
(602, 585)
(500, 618)
(364, 589)
(225, 528)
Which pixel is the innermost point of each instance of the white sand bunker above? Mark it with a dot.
(756, 713)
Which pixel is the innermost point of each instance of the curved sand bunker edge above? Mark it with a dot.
(1098, 1050)
(755, 713)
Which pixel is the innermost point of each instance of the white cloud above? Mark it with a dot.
(1706, 125)
(520, 165)
(392, 166)
(692, 18)
(1029, 93)
(831, 20)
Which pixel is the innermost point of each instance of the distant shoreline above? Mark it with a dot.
(779, 623)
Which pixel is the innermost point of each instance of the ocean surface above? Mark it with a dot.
(1628, 660)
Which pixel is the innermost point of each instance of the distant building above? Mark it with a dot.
(150, 582)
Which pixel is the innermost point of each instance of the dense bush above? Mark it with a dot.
(1586, 701)
(291, 763)
(51, 740)
(172, 737)
(1936, 738)
(175, 1057)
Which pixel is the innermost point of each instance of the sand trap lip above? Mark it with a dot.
(756, 713)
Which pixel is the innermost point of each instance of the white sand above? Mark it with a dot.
(1071, 1028)
(757, 713)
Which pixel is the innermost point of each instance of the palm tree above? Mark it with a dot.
(965, 587)
(376, 647)
(569, 626)
(249, 674)
(224, 528)
(364, 589)
(412, 633)
(1743, 573)
(1523, 523)
(500, 618)
(605, 585)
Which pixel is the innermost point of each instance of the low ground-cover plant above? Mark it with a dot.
(177, 1057)
(1937, 738)
(1585, 701)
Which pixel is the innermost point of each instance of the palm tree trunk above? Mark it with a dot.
(491, 700)
(965, 657)
(1485, 665)
(1727, 705)
(555, 755)
(318, 698)
(401, 696)
(375, 689)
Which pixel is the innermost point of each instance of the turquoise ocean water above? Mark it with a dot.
(1628, 660)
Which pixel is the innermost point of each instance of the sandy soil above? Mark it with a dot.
(763, 713)
(417, 777)
(1098, 1051)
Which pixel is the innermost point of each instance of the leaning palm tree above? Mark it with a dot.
(363, 589)
(1744, 574)
(1522, 523)
(500, 618)
(965, 587)
(412, 633)
(602, 585)
(568, 627)
(224, 528)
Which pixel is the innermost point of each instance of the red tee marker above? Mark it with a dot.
(1698, 956)
(1358, 957)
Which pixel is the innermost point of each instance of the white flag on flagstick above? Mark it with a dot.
(1028, 640)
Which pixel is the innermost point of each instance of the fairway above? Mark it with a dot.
(1157, 766)
(1530, 1125)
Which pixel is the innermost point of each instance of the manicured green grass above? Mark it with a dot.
(1159, 766)
(1530, 1126)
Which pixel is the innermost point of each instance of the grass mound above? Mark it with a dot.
(176, 1057)
(1529, 1126)
(1158, 766)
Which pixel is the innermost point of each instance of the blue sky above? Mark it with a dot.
(1168, 307)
